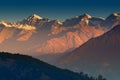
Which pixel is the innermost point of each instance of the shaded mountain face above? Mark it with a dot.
(112, 20)
(21, 67)
(99, 55)
(36, 35)
(83, 19)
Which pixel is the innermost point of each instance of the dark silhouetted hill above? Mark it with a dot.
(21, 67)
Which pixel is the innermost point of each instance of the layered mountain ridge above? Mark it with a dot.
(42, 35)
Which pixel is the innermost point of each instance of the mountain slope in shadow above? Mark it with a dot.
(21, 67)
(98, 55)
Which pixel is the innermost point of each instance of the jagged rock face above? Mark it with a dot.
(35, 20)
(41, 35)
(76, 32)
(96, 21)
(83, 19)
(70, 40)
(101, 55)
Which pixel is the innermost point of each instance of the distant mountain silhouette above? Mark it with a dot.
(21, 67)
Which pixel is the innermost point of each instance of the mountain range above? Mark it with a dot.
(37, 35)
(82, 43)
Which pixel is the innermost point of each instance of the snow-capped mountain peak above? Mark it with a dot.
(112, 20)
(83, 16)
(116, 14)
(113, 16)
(33, 20)
(7, 24)
(87, 16)
(58, 21)
(35, 16)
(78, 20)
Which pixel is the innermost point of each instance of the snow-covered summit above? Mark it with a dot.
(116, 14)
(87, 15)
(35, 16)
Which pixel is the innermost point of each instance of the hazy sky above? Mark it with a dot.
(13, 10)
